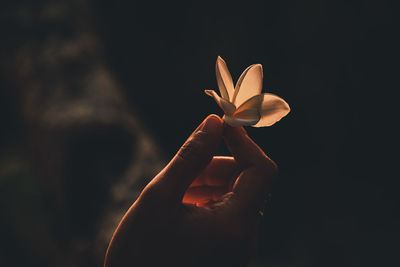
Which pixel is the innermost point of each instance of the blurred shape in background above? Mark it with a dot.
(82, 155)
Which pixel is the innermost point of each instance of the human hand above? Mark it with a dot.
(200, 210)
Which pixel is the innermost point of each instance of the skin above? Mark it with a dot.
(200, 210)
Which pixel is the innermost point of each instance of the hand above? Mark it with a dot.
(199, 210)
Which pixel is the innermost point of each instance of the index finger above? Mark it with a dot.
(190, 160)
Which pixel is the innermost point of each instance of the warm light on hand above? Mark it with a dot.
(201, 209)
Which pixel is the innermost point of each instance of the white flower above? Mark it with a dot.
(244, 105)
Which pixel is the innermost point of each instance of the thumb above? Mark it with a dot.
(192, 158)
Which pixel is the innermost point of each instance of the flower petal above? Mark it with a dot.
(273, 108)
(224, 79)
(250, 109)
(225, 105)
(232, 121)
(248, 85)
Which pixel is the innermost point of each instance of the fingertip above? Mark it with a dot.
(212, 124)
(215, 118)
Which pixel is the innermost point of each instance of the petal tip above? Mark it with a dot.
(220, 62)
(259, 67)
(208, 92)
(286, 107)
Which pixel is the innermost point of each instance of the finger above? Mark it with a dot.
(255, 182)
(220, 171)
(244, 150)
(192, 158)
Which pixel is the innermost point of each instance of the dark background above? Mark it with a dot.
(334, 62)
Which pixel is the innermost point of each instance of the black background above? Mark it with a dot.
(334, 62)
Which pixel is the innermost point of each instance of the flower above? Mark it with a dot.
(244, 105)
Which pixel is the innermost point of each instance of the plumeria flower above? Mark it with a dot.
(243, 104)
